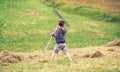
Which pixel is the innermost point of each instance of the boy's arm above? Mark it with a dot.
(55, 34)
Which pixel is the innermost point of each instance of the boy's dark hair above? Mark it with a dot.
(61, 23)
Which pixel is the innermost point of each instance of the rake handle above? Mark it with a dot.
(50, 39)
(48, 43)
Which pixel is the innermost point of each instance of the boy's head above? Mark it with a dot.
(61, 23)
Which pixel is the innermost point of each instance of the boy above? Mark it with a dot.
(60, 40)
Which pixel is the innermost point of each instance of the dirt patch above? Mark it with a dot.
(7, 57)
(113, 43)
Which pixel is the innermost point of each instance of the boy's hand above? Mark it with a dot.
(52, 34)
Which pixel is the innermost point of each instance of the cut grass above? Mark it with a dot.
(62, 64)
(84, 10)
(107, 5)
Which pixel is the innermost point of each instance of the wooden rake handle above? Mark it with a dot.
(48, 43)
(50, 39)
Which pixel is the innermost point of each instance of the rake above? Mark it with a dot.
(60, 17)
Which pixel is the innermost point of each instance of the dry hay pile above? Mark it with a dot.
(88, 54)
(94, 55)
(7, 57)
(97, 52)
(113, 43)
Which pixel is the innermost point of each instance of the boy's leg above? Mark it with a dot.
(66, 52)
(55, 51)
(53, 56)
(68, 55)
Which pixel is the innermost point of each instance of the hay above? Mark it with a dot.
(7, 57)
(113, 43)
(87, 55)
(97, 54)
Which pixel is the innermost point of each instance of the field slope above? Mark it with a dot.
(26, 26)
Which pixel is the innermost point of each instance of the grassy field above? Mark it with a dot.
(93, 9)
(108, 63)
(26, 26)
(108, 5)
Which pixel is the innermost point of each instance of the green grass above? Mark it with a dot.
(107, 5)
(84, 10)
(23, 30)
